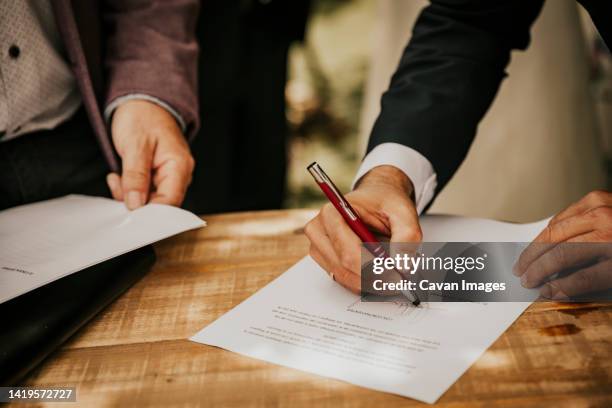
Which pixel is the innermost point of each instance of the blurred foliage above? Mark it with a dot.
(324, 95)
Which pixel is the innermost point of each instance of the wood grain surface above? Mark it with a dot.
(136, 352)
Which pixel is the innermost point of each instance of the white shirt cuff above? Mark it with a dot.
(110, 109)
(412, 163)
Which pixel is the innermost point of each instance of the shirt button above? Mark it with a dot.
(14, 51)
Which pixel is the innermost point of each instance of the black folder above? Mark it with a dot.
(33, 325)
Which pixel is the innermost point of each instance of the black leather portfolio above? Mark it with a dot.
(34, 324)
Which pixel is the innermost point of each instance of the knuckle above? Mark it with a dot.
(584, 281)
(326, 211)
(176, 198)
(591, 216)
(601, 236)
(547, 233)
(348, 261)
(410, 235)
(600, 215)
(329, 215)
(416, 234)
(554, 220)
(340, 275)
(596, 197)
(558, 256)
(134, 176)
(603, 213)
(190, 162)
(135, 172)
(308, 230)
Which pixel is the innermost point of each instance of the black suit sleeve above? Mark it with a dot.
(448, 76)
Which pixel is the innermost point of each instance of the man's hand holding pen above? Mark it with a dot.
(383, 201)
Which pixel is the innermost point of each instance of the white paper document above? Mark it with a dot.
(306, 321)
(44, 241)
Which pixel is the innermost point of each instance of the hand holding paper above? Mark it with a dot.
(45, 241)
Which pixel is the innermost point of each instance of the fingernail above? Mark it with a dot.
(515, 270)
(112, 182)
(559, 296)
(133, 200)
(524, 282)
(546, 291)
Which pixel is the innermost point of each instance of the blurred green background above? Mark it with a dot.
(324, 95)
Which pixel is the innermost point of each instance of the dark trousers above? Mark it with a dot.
(52, 163)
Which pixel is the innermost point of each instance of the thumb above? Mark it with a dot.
(136, 175)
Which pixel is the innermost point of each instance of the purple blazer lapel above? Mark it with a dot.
(66, 23)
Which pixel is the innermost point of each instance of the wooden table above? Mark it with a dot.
(136, 352)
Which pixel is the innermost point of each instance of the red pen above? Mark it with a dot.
(351, 217)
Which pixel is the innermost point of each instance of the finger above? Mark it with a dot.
(529, 255)
(594, 199)
(346, 244)
(568, 228)
(594, 224)
(114, 184)
(170, 183)
(594, 278)
(324, 250)
(344, 277)
(378, 225)
(136, 175)
(601, 237)
(559, 258)
(348, 249)
(555, 233)
(321, 260)
(320, 241)
(347, 280)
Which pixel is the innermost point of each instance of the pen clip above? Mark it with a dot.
(322, 178)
